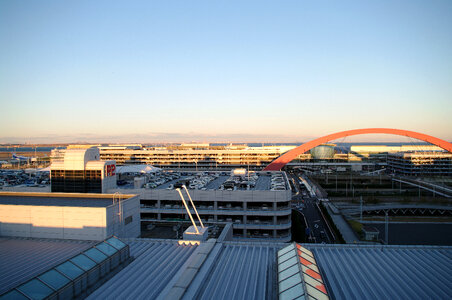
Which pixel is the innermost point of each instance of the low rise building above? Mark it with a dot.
(69, 216)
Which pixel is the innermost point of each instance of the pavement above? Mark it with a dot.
(347, 232)
(263, 183)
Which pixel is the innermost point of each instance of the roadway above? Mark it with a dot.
(307, 205)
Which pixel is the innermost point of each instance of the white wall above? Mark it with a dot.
(217, 195)
(116, 224)
(81, 223)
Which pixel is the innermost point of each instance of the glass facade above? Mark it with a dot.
(76, 181)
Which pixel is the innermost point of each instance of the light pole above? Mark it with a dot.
(386, 227)
(361, 209)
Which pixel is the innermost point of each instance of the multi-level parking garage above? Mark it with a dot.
(258, 207)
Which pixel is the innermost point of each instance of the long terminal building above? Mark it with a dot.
(195, 156)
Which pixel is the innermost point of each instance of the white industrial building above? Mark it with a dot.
(69, 216)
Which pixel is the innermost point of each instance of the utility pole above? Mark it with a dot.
(361, 209)
(386, 227)
(336, 182)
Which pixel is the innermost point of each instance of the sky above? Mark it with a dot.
(222, 71)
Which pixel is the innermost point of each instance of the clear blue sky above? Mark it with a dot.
(222, 70)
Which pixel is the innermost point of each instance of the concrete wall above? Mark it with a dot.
(118, 215)
(108, 183)
(213, 195)
(64, 222)
(56, 222)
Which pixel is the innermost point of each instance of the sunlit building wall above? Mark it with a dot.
(69, 216)
(421, 163)
(380, 152)
(80, 170)
(190, 156)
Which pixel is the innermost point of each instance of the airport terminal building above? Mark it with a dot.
(195, 156)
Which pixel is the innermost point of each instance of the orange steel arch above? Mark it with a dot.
(284, 159)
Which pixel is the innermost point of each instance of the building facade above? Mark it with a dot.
(260, 213)
(69, 216)
(421, 163)
(194, 156)
(80, 170)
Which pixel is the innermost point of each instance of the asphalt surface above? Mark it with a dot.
(263, 183)
(319, 232)
(216, 183)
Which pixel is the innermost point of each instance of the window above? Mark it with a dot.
(128, 220)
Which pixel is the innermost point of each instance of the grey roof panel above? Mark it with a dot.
(236, 270)
(242, 271)
(21, 259)
(155, 264)
(385, 272)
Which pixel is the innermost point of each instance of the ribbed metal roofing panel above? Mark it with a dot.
(22, 259)
(155, 264)
(242, 271)
(385, 272)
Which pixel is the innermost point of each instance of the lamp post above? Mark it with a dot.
(386, 227)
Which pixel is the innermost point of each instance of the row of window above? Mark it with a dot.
(76, 174)
(76, 186)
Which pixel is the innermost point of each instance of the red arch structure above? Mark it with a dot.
(284, 159)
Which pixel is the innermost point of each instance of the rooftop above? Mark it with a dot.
(55, 199)
(22, 259)
(219, 269)
(215, 180)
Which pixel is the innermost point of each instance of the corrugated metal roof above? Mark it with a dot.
(385, 272)
(236, 270)
(242, 271)
(155, 264)
(22, 259)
